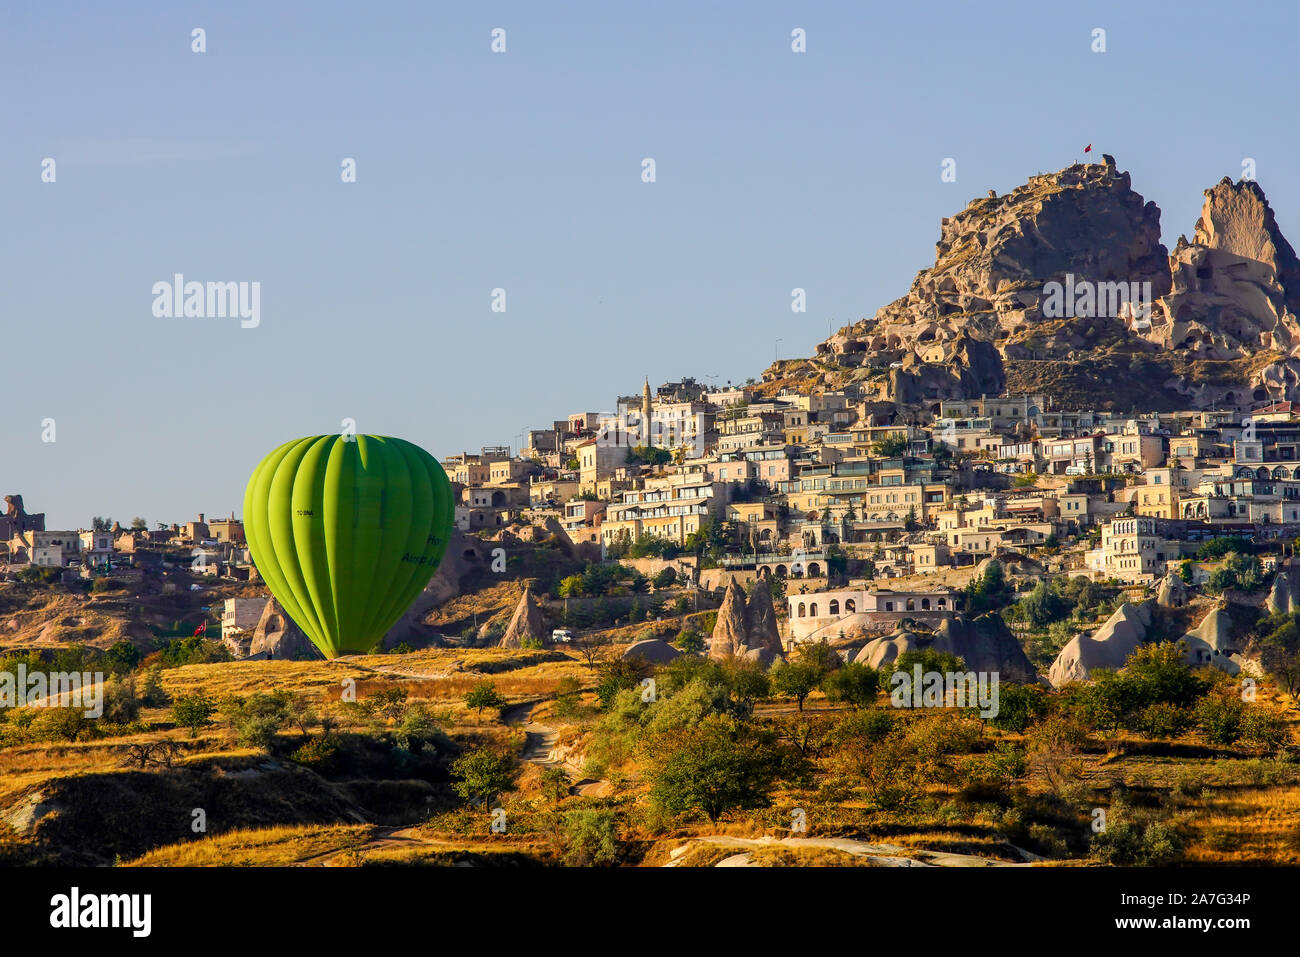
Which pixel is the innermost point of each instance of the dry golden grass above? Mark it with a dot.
(265, 847)
(317, 679)
(783, 856)
(486, 603)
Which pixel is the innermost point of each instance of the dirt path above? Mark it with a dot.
(540, 741)
(880, 855)
(386, 837)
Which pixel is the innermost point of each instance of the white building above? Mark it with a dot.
(241, 614)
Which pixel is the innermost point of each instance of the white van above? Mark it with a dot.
(562, 635)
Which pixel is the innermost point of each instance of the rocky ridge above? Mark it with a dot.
(1211, 324)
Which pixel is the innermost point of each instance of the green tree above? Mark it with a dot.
(1222, 546)
(1221, 718)
(797, 680)
(122, 657)
(152, 694)
(193, 711)
(481, 774)
(1238, 571)
(555, 784)
(854, 684)
(1019, 706)
(257, 718)
(590, 838)
(890, 447)
(720, 765)
(484, 695)
(690, 641)
(1042, 606)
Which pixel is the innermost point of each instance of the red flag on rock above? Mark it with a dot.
(1088, 148)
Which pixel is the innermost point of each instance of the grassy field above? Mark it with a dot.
(376, 799)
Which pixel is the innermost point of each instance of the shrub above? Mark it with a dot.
(193, 711)
(258, 718)
(319, 754)
(1163, 719)
(120, 702)
(481, 774)
(590, 838)
(1220, 718)
(484, 695)
(1019, 706)
(152, 694)
(1136, 840)
(1265, 729)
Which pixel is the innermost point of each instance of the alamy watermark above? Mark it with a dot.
(53, 689)
(179, 299)
(1085, 300)
(945, 689)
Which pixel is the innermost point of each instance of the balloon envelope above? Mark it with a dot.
(346, 531)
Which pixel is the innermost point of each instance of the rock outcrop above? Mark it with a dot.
(1173, 592)
(763, 632)
(1281, 598)
(1212, 642)
(746, 628)
(276, 636)
(655, 651)
(526, 626)
(984, 644)
(1063, 286)
(731, 631)
(1109, 647)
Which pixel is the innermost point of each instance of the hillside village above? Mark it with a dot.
(857, 519)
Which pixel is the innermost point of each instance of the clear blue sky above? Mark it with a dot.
(522, 171)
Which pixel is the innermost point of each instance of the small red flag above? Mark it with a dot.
(1088, 148)
(201, 629)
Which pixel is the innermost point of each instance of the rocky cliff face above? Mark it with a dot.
(1063, 285)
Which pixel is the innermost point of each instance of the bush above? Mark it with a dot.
(482, 774)
(484, 695)
(1220, 718)
(1163, 719)
(193, 711)
(419, 729)
(258, 718)
(1019, 706)
(121, 705)
(1265, 729)
(1136, 840)
(319, 754)
(152, 694)
(590, 838)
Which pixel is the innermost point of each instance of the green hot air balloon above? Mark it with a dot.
(346, 531)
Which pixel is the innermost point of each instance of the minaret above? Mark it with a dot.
(647, 412)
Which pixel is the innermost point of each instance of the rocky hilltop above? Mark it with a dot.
(1062, 286)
